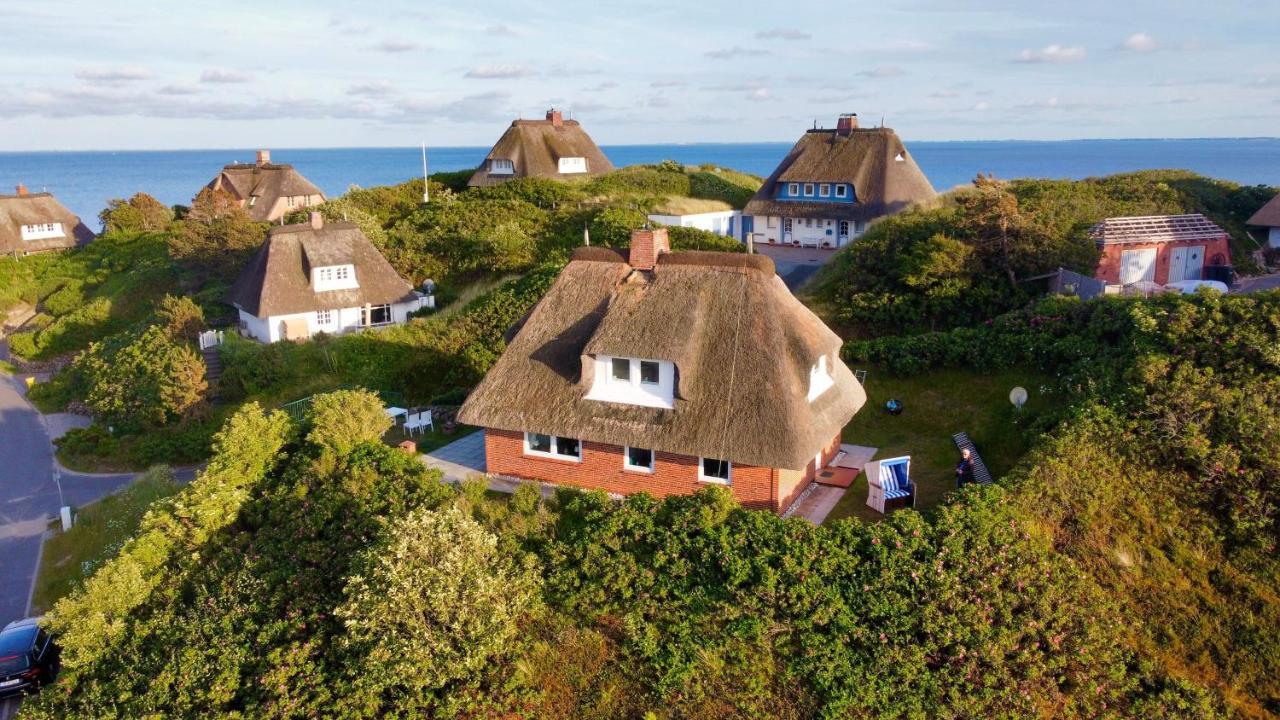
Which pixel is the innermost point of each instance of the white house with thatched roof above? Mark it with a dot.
(714, 216)
(36, 222)
(666, 372)
(319, 277)
(1268, 216)
(552, 148)
(267, 190)
(832, 184)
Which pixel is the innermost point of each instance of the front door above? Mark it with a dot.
(1186, 263)
(1137, 265)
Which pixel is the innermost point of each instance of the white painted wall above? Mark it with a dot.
(809, 236)
(717, 222)
(344, 320)
(609, 389)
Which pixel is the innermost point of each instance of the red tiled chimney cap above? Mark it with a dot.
(22, 189)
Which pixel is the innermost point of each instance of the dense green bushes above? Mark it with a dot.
(973, 256)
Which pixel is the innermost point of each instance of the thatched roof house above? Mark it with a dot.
(551, 148)
(317, 276)
(1268, 216)
(750, 375)
(850, 174)
(267, 190)
(37, 222)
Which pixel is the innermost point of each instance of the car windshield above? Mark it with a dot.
(14, 646)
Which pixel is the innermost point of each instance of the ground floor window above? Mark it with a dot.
(638, 459)
(324, 317)
(844, 227)
(380, 315)
(713, 470)
(552, 446)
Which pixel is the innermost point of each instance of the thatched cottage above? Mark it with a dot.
(319, 277)
(832, 184)
(551, 148)
(267, 190)
(664, 372)
(1268, 216)
(37, 222)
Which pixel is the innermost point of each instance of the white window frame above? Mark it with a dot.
(501, 166)
(702, 477)
(824, 190)
(771, 222)
(640, 372)
(808, 189)
(555, 453)
(390, 315)
(842, 190)
(793, 189)
(42, 231)
(324, 318)
(571, 165)
(646, 469)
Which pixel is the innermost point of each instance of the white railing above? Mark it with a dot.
(210, 338)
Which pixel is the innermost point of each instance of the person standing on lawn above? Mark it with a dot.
(964, 469)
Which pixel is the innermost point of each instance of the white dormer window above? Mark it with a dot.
(820, 379)
(500, 166)
(571, 165)
(334, 277)
(824, 190)
(42, 231)
(634, 381)
(899, 158)
(712, 470)
(808, 189)
(842, 191)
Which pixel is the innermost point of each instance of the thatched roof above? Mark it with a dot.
(865, 157)
(1268, 215)
(36, 209)
(535, 147)
(277, 280)
(1156, 229)
(268, 182)
(742, 345)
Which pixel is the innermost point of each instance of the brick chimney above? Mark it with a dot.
(846, 124)
(554, 116)
(646, 246)
(22, 189)
(317, 220)
(264, 157)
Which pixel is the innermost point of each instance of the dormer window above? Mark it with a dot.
(633, 381)
(42, 231)
(842, 191)
(571, 165)
(501, 166)
(820, 379)
(793, 189)
(824, 190)
(334, 277)
(808, 189)
(899, 158)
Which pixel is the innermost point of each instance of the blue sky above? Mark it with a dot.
(86, 74)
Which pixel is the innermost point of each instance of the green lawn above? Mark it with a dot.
(100, 530)
(936, 405)
(427, 441)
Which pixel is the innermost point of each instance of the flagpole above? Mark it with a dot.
(426, 189)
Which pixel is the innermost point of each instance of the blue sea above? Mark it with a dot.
(84, 181)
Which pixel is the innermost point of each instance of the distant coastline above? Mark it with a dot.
(86, 180)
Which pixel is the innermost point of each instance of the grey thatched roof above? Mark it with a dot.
(33, 209)
(865, 158)
(535, 147)
(277, 280)
(1268, 215)
(743, 347)
(268, 182)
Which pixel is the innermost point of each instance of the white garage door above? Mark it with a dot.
(1137, 265)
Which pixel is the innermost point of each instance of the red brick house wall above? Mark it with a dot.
(1109, 264)
(601, 468)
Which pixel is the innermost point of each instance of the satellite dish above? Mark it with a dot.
(1018, 396)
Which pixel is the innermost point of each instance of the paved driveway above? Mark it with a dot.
(795, 265)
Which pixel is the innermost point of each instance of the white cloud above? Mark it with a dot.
(783, 34)
(733, 52)
(607, 85)
(396, 45)
(501, 30)
(667, 83)
(944, 94)
(373, 89)
(1140, 42)
(1052, 54)
(224, 76)
(658, 101)
(179, 89)
(498, 72)
(113, 74)
(883, 71)
(981, 105)
(759, 95)
(482, 107)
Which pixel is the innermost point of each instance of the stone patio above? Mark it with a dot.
(460, 459)
(817, 501)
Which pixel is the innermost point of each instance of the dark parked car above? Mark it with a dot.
(28, 657)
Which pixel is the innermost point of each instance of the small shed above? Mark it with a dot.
(1160, 249)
